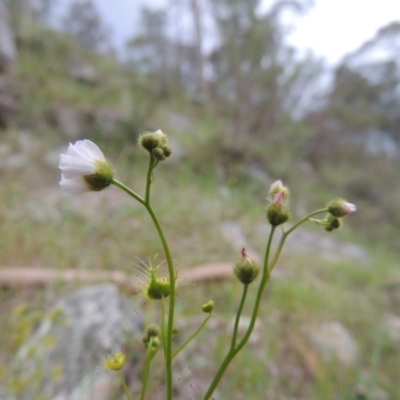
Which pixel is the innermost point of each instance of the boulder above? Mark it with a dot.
(63, 358)
(335, 343)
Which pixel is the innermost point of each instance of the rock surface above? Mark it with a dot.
(334, 342)
(65, 354)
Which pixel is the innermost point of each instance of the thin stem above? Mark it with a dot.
(149, 357)
(232, 352)
(168, 342)
(149, 179)
(126, 390)
(191, 337)
(146, 202)
(129, 191)
(296, 225)
(163, 336)
(238, 314)
(288, 232)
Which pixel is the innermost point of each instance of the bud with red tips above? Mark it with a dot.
(246, 270)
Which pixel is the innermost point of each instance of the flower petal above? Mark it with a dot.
(73, 186)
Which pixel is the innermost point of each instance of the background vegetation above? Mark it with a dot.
(240, 115)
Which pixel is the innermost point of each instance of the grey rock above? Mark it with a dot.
(82, 329)
(8, 50)
(334, 342)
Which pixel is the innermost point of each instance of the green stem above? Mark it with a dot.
(149, 357)
(171, 273)
(129, 191)
(238, 314)
(288, 232)
(163, 335)
(146, 203)
(232, 352)
(191, 337)
(149, 179)
(170, 326)
(126, 390)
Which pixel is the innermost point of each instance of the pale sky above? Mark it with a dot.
(330, 29)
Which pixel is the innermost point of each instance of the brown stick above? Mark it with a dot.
(32, 276)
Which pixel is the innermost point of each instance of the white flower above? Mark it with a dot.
(84, 168)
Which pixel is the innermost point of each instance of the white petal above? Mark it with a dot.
(73, 166)
(73, 186)
(89, 150)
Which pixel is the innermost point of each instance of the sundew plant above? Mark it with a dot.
(85, 168)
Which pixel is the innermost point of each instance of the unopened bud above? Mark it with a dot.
(246, 270)
(277, 214)
(208, 307)
(340, 208)
(158, 288)
(278, 187)
(156, 143)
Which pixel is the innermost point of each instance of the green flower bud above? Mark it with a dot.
(175, 330)
(277, 214)
(156, 143)
(340, 208)
(158, 153)
(246, 270)
(152, 330)
(333, 223)
(208, 307)
(158, 288)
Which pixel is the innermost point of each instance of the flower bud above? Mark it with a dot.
(175, 330)
(151, 335)
(152, 330)
(278, 187)
(333, 223)
(158, 288)
(156, 143)
(277, 213)
(246, 270)
(208, 307)
(155, 344)
(340, 208)
(115, 362)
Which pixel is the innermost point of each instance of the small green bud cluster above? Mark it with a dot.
(277, 211)
(151, 338)
(246, 270)
(337, 209)
(208, 307)
(333, 223)
(156, 143)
